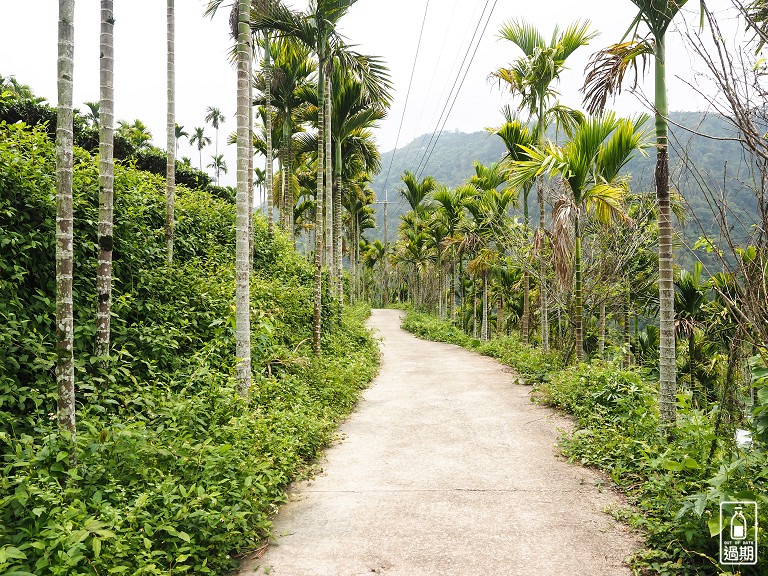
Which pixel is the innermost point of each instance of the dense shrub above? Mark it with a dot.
(175, 472)
(31, 112)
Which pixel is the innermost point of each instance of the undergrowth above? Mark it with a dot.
(175, 472)
(674, 486)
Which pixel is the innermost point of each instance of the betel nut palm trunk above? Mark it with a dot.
(106, 178)
(65, 364)
(242, 227)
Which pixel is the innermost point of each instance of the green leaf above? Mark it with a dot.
(714, 526)
(96, 545)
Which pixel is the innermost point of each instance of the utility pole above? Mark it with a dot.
(385, 295)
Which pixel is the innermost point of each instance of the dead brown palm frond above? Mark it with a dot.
(605, 71)
(539, 241)
(562, 239)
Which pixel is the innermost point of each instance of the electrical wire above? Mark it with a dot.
(407, 96)
(423, 165)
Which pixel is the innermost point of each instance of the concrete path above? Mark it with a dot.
(446, 468)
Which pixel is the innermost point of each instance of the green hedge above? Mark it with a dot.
(176, 473)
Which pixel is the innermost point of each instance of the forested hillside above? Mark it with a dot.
(695, 160)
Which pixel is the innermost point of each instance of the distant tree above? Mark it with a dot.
(532, 77)
(92, 116)
(215, 118)
(198, 137)
(180, 133)
(219, 165)
(136, 133)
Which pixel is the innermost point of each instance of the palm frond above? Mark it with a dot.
(607, 202)
(576, 35)
(524, 35)
(606, 70)
(562, 239)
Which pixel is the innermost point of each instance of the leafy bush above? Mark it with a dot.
(674, 484)
(430, 328)
(529, 362)
(175, 473)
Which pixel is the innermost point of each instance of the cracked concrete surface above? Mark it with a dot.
(446, 468)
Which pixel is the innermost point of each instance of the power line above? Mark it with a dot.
(434, 74)
(423, 165)
(407, 95)
(453, 87)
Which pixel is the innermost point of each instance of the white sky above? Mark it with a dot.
(386, 28)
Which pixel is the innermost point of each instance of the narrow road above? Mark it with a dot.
(446, 468)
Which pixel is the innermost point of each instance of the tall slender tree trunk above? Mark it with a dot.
(106, 178)
(441, 291)
(65, 362)
(627, 324)
(337, 247)
(577, 296)
(543, 283)
(170, 169)
(251, 193)
(499, 315)
(452, 292)
(525, 324)
(351, 247)
(667, 362)
(601, 329)
(484, 328)
(289, 199)
(268, 113)
(319, 235)
(242, 257)
(283, 213)
(329, 251)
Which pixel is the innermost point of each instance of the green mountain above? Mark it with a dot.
(703, 155)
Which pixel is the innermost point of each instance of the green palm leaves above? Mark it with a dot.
(533, 75)
(590, 163)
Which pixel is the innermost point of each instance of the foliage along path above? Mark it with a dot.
(447, 468)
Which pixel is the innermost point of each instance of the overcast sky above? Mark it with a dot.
(389, 29)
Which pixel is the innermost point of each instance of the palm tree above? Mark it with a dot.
(180, 133)
(243, 256)
(215, 118)
(516, 137)
(290, 72)
(690, 299)
(198, 137)
(170, 170)
(104, 117)
(532, 77)
(316, 28)
(415, 192)
(451, 203)
(65, 362)
(219, 165)
(93, 110)
(136, 133)
(605, 79)
(590, 163)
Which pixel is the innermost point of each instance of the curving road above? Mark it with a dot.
(446, 469)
